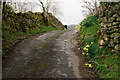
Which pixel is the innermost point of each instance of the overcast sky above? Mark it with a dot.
(72, 12)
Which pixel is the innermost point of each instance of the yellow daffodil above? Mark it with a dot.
(88, 46)
(75, 31)
(83, 53)
(86, 64)
(90, 65)
(76, 27)
(79, 26)
(87, 54)
(78, 48)
(87, 49)
(84, 48)
(91, 42)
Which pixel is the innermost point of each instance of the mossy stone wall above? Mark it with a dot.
(110, 25)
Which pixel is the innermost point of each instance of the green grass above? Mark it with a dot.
(10, 39)
(104, 61)
(18, 26)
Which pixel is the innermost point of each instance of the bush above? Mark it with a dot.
(89, 21)
(104, 62)
(17, 26)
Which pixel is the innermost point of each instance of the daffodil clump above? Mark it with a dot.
(77, 28)
(89, 65)
(86, 49)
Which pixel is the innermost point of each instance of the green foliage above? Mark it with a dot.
(89, 21)
(104, 61)
(93, 50)
(108, 67)
(10, 39)
(7, 8)
(17, 26)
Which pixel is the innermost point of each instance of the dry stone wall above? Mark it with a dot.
(110, 25)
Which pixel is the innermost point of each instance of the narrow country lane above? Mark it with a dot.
(46, 56)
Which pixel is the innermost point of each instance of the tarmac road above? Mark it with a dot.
(45, 56)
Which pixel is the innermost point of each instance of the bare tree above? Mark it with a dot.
(95, 6)
(45, 6)
(55, 8)
(20, 5)
(48, 6)
(44, 9)
(91, 7)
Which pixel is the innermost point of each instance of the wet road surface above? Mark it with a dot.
(46, 56)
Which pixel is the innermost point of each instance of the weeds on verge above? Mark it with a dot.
(102, 60)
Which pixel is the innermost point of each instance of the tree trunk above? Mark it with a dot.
(45, 19)
(44, 14)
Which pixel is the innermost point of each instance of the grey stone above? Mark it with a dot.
(105, 38)
(118, 19)
(114, 35)
(115, 23)
(116, 38)
(104, 19)
(115, 15)
(115, 26)
(109, 25)
(111, 19)
(101, 42)
(112, 44)
(117, 47)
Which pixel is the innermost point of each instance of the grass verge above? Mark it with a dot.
(8, 40)
(101, 60)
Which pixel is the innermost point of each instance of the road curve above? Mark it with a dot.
(46, 56)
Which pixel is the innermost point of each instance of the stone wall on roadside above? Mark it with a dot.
(110, 25)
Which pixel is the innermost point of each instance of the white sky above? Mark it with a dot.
(72, 12)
